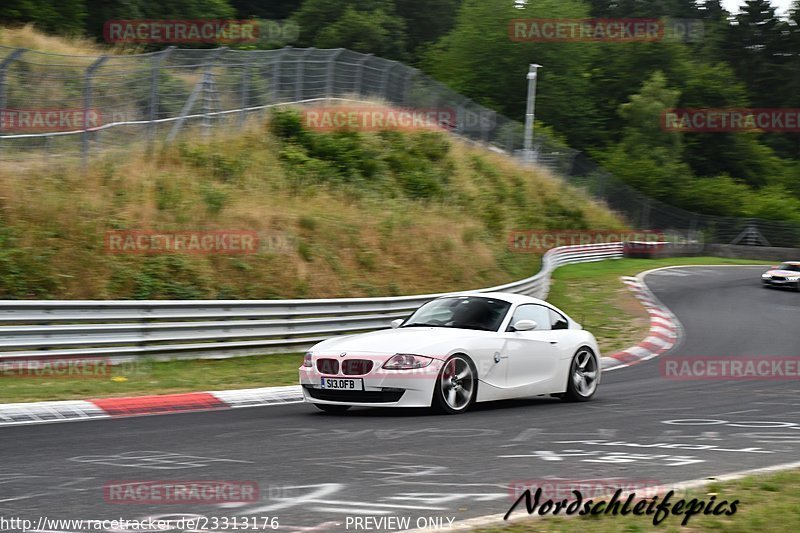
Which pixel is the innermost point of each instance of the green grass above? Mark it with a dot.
(150, 377)
(592, 294)
(766, 503)
(589, 292)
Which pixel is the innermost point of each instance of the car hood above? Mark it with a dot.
(783, 273)
(415, 340)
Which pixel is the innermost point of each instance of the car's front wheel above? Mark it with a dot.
(331, 408)
(456, 386)
(584, 375)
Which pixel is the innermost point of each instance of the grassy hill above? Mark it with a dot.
(348, 214)
(339, 214)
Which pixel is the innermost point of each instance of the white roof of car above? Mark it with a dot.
(507, 296)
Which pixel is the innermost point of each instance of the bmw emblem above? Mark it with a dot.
(342, 354)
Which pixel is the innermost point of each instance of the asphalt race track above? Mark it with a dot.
(317, 470)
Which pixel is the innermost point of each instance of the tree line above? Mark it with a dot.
(605, 98)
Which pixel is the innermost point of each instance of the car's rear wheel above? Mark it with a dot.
(331, 408)
(456, 386)
(584, 374)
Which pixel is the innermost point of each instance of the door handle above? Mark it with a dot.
(553, 342)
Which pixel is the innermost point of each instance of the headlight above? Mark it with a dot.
(407, 361)
(766, 276)
(307, 360)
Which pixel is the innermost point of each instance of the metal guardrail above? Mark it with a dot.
(170, 329)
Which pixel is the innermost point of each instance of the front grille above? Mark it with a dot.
(356, 367)
(328, 366)
(356, 396)
(779, 278)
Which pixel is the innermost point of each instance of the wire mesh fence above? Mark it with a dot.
(62, 106)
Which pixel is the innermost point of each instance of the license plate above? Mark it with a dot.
(341, 384)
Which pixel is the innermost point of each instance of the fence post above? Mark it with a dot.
(385, 80)
(331, 68)
(360, 73)
(407, 86)
(198, 87)
(10, 58)
(245, 94)
(276, 74)
(155, 74)
(299, 78)
(87, 105)
(646, 214)
(209, 91)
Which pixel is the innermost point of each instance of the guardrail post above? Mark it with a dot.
(360, 73)
(87, 105)
(155, 74)
(10, 58)
(331, 68)
(298, 82)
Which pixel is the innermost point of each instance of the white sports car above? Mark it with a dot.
(784, 275)
(454, 351)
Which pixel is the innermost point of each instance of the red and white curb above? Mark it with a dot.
(665, 329)
(664, 333)
(15, 414)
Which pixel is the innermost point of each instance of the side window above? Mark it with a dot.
(538, 313)
(557, 320)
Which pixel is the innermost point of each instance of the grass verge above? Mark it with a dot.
(766, 503)
(590, 292)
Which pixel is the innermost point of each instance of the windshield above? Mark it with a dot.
(465, 312)
(790, 267)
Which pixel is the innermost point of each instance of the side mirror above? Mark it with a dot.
(396, 323)
(524, 325)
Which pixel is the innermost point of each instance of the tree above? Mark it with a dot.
(427, 20)
(647, 157)
(271, 10)
(336, 24)
(479, 59)
(57, 16)
(376, 33)
(105, 10)
(752, 46)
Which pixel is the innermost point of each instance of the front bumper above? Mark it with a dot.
(382, 388)
(771, 282)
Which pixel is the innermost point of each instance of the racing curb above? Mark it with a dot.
(665, 329)
(664, 333)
